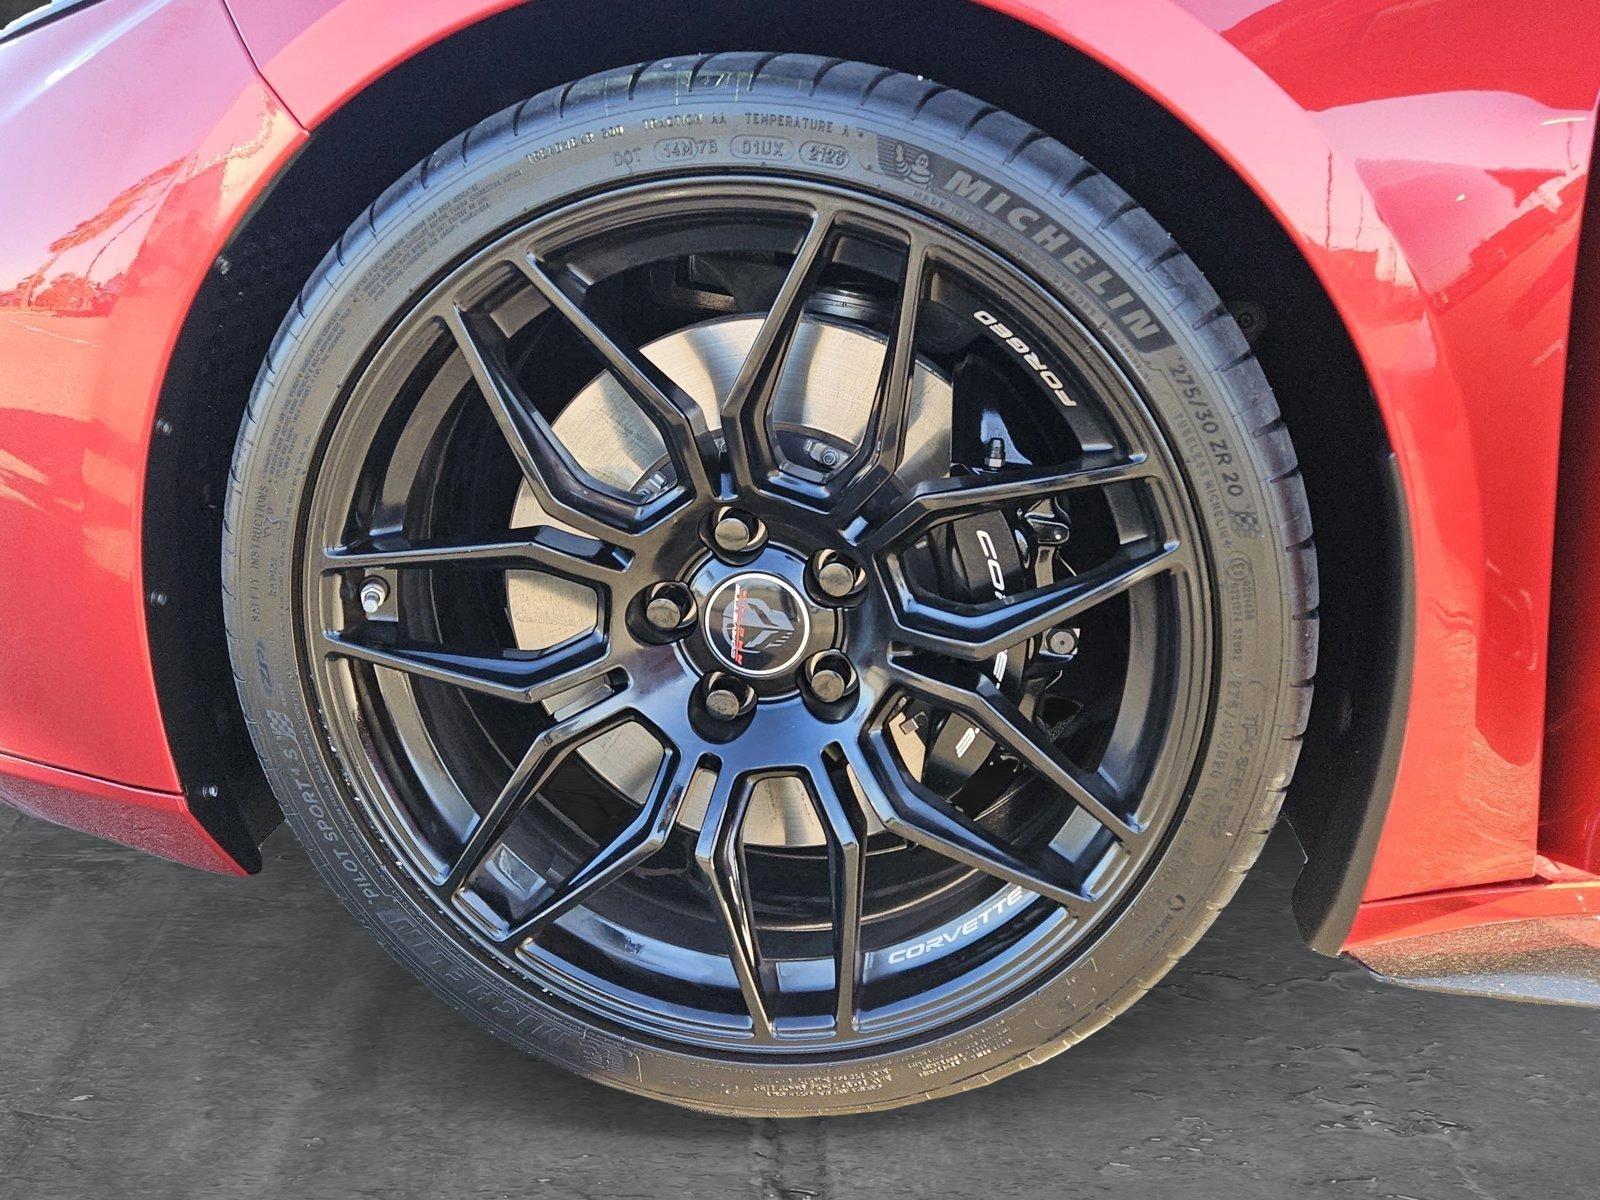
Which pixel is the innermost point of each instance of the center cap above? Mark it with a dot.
(757, 624)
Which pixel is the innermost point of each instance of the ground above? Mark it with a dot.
(168, 1034)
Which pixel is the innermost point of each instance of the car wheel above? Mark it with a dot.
(772, 584)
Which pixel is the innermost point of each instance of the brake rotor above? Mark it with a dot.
(821, 406)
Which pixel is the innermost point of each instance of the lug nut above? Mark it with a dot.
(835, 578)
(732, 534)
(736, 532)
(722, 704)
(828, 685)
(669, 608)
(374, 595)
(727, 697)
(829, 677)
(663, 613)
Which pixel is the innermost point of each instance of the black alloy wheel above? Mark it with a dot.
(741, 628)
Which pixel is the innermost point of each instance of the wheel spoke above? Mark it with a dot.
(544, 548)
(915, 813)
(963, 495)
(897, 812)
(638, 841)
(524, 680)
(746, 409)
(883, 444)
(544, 755)
(988, 708)
(563, 488)
(670, 409)
(847, 880)
(978, 633)
(719, 854)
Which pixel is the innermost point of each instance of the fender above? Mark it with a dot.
(113, 218)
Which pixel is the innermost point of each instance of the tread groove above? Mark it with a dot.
(934, 90)
(1031, 138)
(817, 78)
(1127, 206)
(877, 82)
(761, 65)
(1081, 176)
(982, 114)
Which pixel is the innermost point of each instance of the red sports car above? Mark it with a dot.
(795, 575)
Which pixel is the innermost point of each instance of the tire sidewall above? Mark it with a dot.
(471, 199)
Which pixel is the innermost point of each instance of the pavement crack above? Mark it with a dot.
(790, 1159)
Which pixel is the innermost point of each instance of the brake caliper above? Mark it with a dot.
(976, 560)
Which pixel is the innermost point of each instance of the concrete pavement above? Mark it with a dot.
(166, 1034)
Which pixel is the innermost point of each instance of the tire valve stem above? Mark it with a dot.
(996, 458)
(374, 595)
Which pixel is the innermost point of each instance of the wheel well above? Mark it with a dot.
(385, 129)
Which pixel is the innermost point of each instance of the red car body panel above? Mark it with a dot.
(322, 52)
(1406, 917)
(1436, 191)
(133, 179)
(1428, 160)
(157, 821)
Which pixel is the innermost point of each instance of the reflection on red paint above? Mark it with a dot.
(132, 179)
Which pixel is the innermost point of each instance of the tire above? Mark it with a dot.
(994, 181)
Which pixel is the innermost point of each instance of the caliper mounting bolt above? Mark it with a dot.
(1062, 642)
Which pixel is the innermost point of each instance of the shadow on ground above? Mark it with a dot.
(167, 1034)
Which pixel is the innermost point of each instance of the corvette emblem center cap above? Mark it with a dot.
(757, 624)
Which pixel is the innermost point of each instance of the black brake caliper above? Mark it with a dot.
(974, 560)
